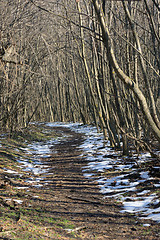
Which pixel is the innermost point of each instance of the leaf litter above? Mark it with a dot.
(118, 177)
(102, 159)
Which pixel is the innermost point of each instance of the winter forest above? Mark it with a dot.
(80, 119)
(88, 61)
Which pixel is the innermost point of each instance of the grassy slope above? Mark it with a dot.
(17, 221)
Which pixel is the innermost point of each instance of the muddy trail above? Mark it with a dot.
(64, 204)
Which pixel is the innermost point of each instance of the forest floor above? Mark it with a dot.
(60, 203)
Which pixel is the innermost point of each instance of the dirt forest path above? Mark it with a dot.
(79, 199)
(70, 196)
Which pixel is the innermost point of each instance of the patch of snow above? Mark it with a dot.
(38, 148)
(155, 217)
(101, 160)
(88, 175)
(146, 224)
(21, 187)
(143, 192)
(36, 167)
(144, 175)
(69, 230)
(38, 185)
(96, 151)
(138, 206)
(8, 199)
(18, 201)
(123, 167)
(10, 171)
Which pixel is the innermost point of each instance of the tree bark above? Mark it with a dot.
(127, 81)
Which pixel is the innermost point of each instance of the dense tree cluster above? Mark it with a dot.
(90, 61)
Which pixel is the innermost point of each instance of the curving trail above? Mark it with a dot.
(77, 199)
(60, 203)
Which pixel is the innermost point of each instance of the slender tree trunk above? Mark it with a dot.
(127, 81)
